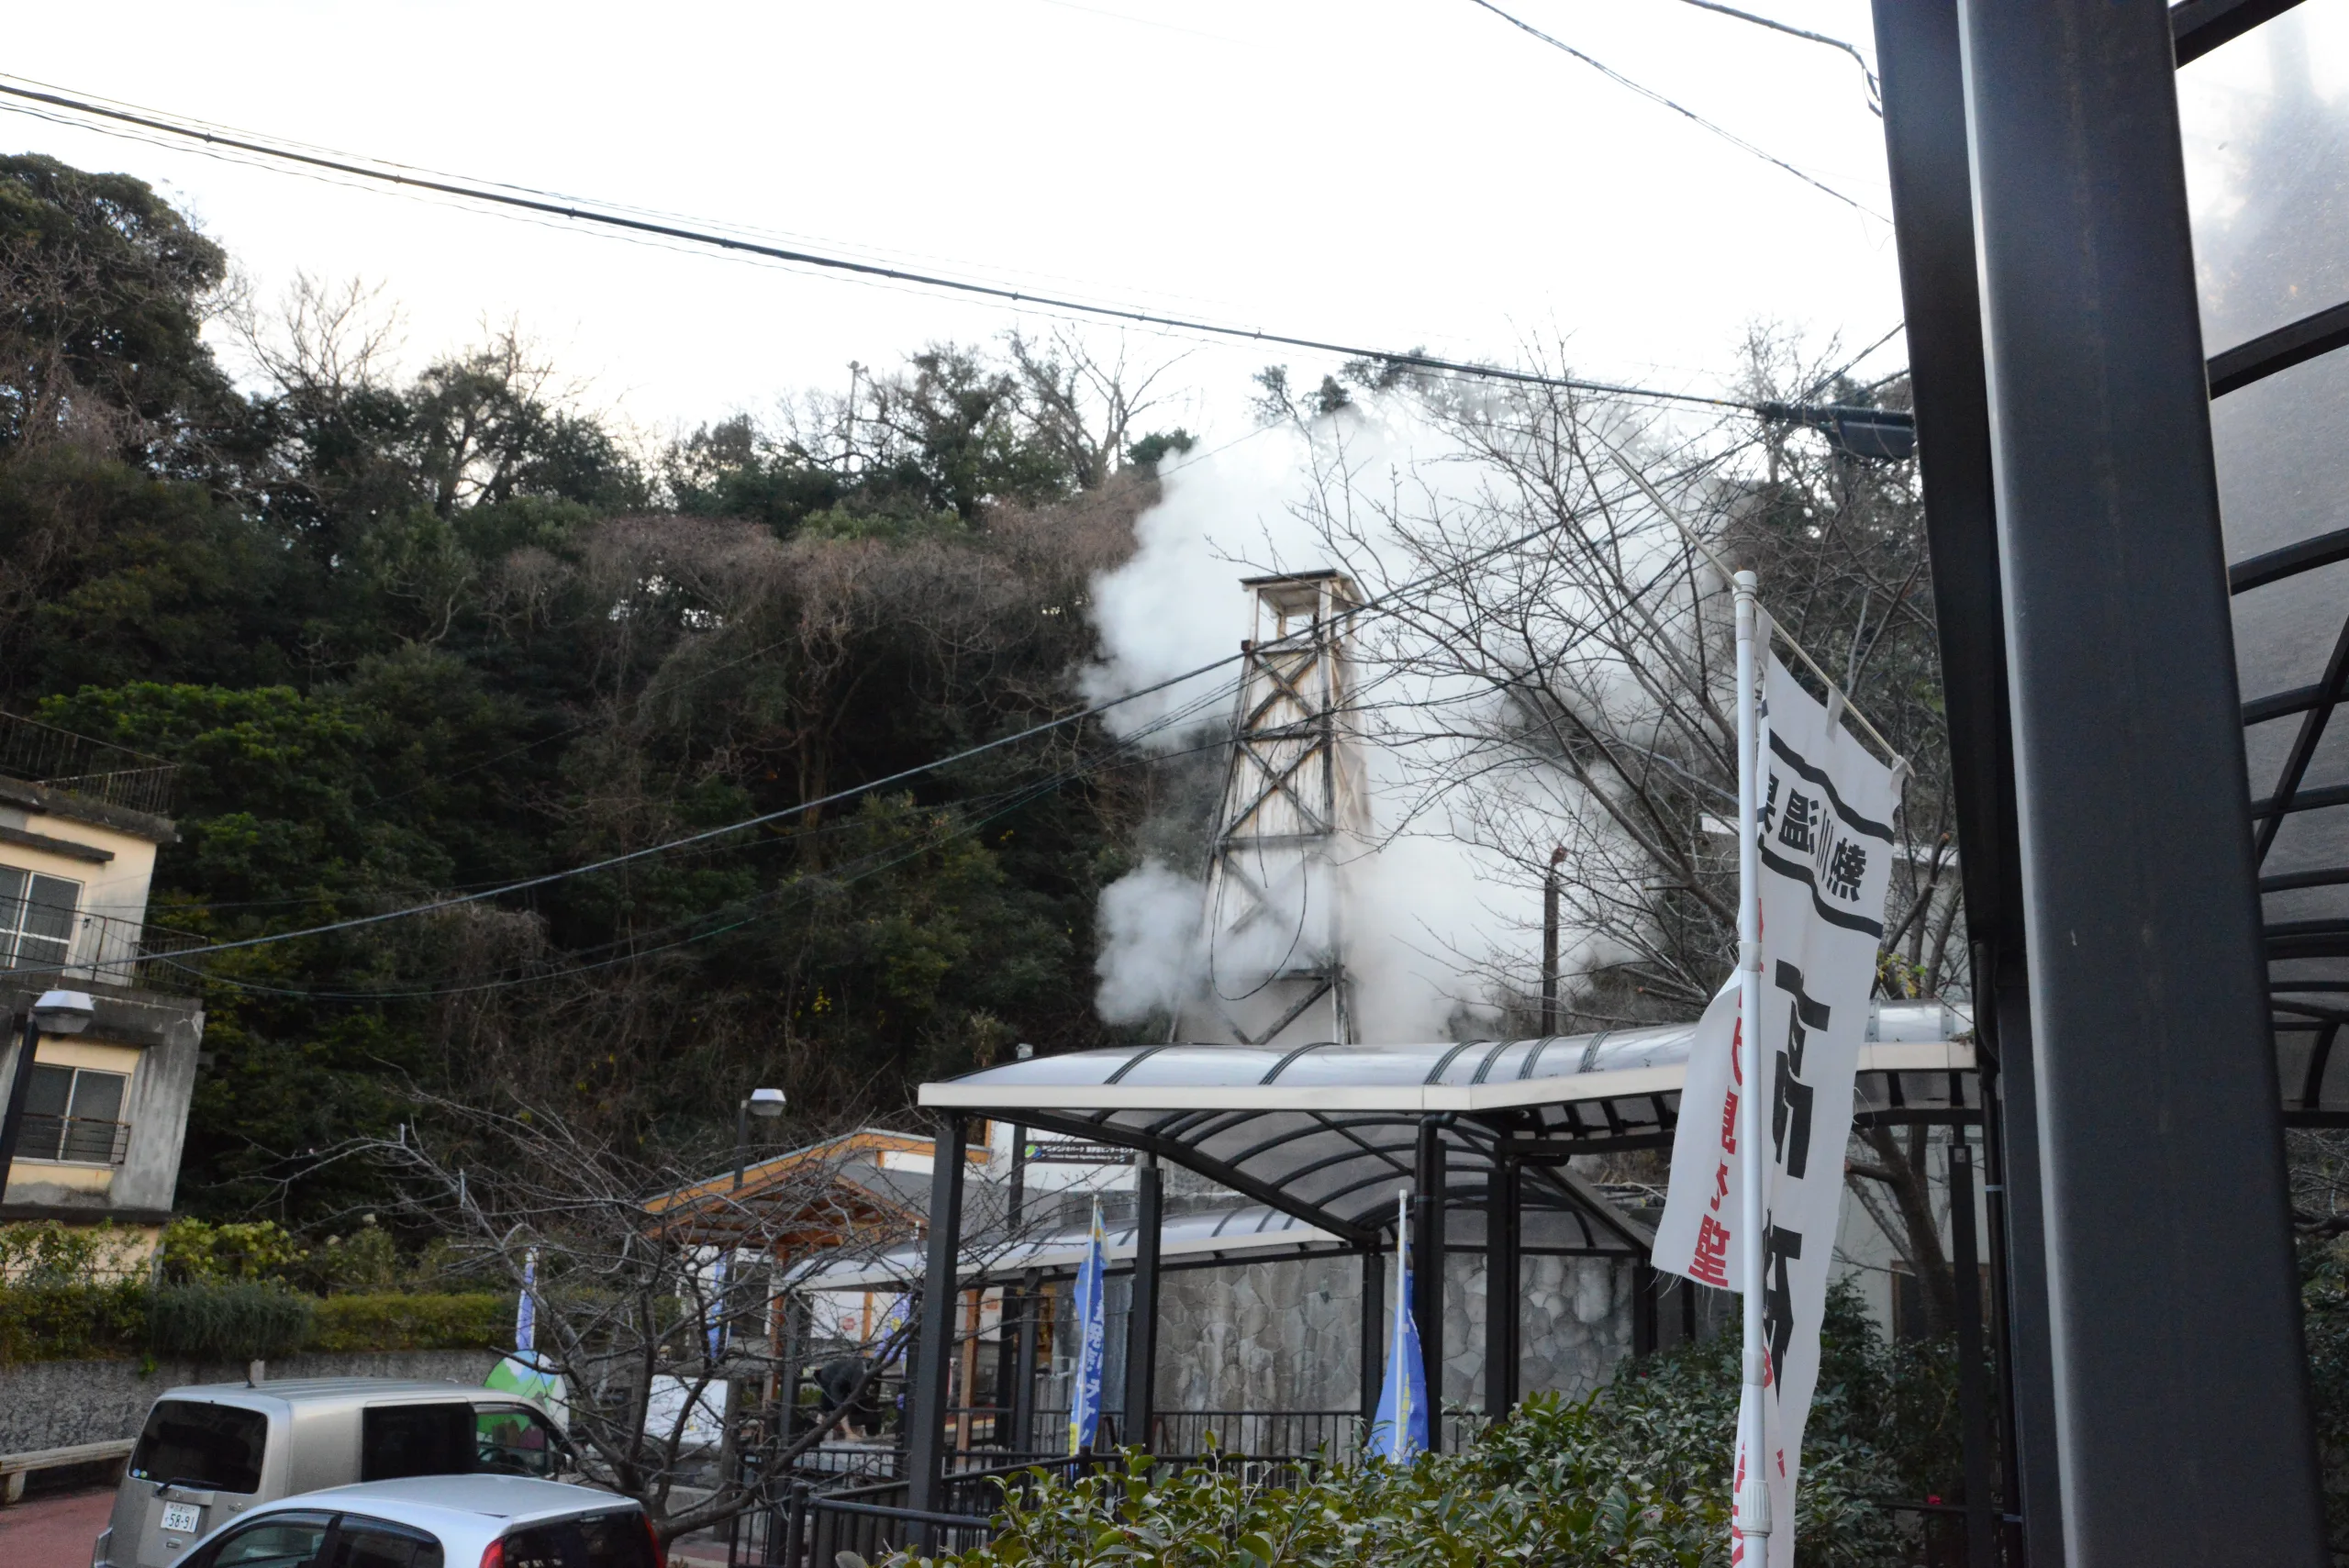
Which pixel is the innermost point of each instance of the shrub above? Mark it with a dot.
(195, 1253)
(394, 1322)
(244, 1321)
(1636, 1475)
(44, 1253)
(70, 1322)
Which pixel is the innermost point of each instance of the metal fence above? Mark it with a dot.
(75, 764)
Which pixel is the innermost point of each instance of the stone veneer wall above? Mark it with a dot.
(1286, 1336)
(48, 1404)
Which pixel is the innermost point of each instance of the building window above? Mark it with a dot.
(36, 918)
(75, 1115)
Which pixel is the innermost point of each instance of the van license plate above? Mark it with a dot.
(181, 1517)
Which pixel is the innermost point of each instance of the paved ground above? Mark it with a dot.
(55, 1532)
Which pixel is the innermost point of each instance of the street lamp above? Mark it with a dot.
(57, 1012)
(765, 1103)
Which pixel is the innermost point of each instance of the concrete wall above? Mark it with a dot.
(59, 1404)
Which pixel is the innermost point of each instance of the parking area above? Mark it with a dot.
(55, 1532)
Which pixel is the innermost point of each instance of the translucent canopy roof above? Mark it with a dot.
(2266, 122)
(1328, 1132)
(1244, 1234)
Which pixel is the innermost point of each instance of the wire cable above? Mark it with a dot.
(1654, 97)
(606, 214)
(1875, 88)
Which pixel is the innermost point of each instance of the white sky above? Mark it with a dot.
(1387, 173)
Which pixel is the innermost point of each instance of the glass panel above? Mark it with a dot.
(415, 1439)
(215, 1446)
(2265, 126)
(43, 1133)
(369, 1543)
(514, 1442)
(615, 1540)
(97, 1097)
(283, 1541)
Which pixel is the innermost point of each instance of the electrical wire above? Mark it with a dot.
(612, 215)
(1875, 88)
(1682, 109)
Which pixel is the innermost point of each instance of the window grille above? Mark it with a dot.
(75, 1115)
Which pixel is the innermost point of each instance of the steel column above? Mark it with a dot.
(1973, 1396)
(1502, 1252)
(1374, 1332)
(2181, 1399)
(1427, 1270)
(934, 1352)
(1142, 1317)
(1023, 1372)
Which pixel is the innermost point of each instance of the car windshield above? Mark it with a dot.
(215, 1446)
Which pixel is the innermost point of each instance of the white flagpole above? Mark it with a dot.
(1753, 1502)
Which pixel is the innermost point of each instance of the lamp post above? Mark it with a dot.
(57, 1012)
(765, 1103)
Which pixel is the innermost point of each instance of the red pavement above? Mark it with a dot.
(53, 1532)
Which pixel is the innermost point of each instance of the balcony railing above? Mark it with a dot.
(104, 948)
(97, 770)
(77, 1140)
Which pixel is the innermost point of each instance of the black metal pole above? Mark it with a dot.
(1549, 942)
(1973, 1395)
(934, 1350)
(1023, 1374)
(20, 1088)
(1142, 1320)
(1427, 1270)
(1502, 1269)
(2182, 1423)
(741, 1141)
(1374, 1332)
(1646, 1328)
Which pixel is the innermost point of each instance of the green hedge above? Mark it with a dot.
(72, 1322)
(389, 1322)
(236, 1322)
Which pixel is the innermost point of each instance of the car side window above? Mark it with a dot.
(373, 1543)
(396, 1441)
(511, 1440)
(278, 1540)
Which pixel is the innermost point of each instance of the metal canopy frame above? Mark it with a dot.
(2113, 668)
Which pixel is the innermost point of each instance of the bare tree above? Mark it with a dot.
(658, 1288)
(1558, 673)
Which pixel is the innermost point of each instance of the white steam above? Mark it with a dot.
(1427, 918)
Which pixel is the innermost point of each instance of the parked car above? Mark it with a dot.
(437, 1522)
(212, 1451)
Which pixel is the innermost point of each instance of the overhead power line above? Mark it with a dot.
(1652, 95)
(604, 214)
(1876, 89)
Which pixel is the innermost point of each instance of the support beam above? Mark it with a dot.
(1502, 1292)
(1645, 1327)
(1973, 1386)
(934, 1352)
(1427, 1270)
(1023, 1371)
(2182, 1412)
(1142, 1320)
(1374, 1332)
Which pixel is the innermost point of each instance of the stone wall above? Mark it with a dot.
(1286, 1335)
(59, 1404)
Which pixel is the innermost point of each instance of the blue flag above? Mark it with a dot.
(1091, 1341)
(526, 1311)
(1399, 1432)
(714, 1315)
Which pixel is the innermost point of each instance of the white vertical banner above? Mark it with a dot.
(1826, 843)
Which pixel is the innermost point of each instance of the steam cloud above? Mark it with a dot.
(1425, 915)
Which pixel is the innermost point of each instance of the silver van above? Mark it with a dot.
(211, 1450)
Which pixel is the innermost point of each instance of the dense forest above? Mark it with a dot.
(410, 637)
